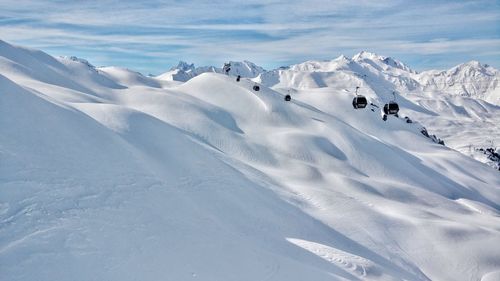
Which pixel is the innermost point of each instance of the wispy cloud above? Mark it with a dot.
(152, 35)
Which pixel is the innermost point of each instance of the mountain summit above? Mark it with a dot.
(183, 66)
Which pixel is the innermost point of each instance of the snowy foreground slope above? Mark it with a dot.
(109, 175)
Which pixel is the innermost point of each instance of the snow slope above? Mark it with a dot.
(461, 104)
(109, 175)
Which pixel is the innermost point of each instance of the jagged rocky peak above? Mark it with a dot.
(79, 60)
(184, 66)
(342, 58)
(247, 64)
(245, 69)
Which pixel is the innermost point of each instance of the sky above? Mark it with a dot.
(152, 36)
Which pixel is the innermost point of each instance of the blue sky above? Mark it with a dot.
(151, 36)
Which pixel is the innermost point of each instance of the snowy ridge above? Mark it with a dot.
(79, 60)
(385, 62)
(245, 69)
(184, 71)
(470, 79)
(118, 176)
(184, 66)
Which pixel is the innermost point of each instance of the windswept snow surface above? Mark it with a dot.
(109, 175)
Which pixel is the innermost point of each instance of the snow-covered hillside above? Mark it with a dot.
(106, 174)
(461, 104)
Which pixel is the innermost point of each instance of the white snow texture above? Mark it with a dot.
(106, 174)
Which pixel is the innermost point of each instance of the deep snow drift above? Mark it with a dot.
(106, 174)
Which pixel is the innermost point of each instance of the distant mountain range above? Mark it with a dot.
(471, 79)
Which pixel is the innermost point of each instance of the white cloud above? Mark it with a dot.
(264, 31)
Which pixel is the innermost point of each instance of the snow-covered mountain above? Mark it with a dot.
(184, 66)
(382, 73)
(245, 69)
(471, 79)
(466, 98)
(184, 71)
(385, 63)
(107, 174)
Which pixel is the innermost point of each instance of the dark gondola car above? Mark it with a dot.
(391, 108)
(359, 102)
(288, 98)
(238, 78)
(256, 88)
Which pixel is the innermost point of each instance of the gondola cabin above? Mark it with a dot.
(359, 102)
(256, 88)
(391, 108)
(288, 98)
(238, 78)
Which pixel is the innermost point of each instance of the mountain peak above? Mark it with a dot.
(474, 62)
(473, 66)
(342, 58)
(245, 68)
(79, 60)
(366, 55)
(184, 66)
